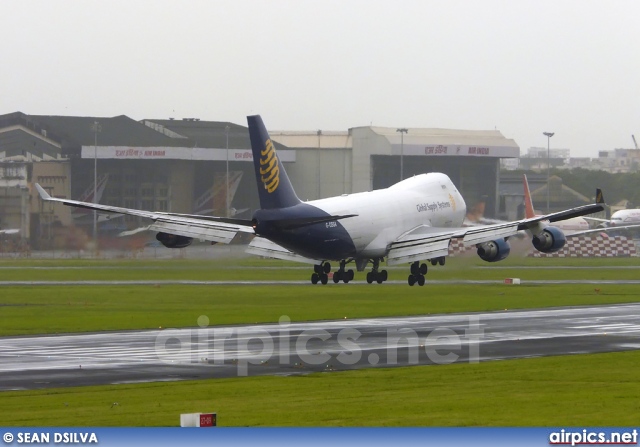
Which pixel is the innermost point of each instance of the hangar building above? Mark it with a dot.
(189, 166)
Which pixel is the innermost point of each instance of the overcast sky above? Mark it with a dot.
(523, 67)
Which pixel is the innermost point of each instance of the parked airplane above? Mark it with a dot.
(409, 222)
(620, 218)
(568, 226)
(10, 231)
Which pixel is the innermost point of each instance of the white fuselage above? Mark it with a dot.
(386, 214)
(625, 217)
(572, 225)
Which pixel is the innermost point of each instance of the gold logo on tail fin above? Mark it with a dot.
(269, 168)
(453, 202)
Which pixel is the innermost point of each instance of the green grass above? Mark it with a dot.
(579, 390)
(56, 309)
(248, 269)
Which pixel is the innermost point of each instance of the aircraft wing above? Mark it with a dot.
(264, 247)
(424, 242)
(202, 227)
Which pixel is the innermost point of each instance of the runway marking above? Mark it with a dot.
(307, 283)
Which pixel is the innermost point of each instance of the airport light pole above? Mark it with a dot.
(548, 135)
(402, 131)
(318, 163)
(226, 188)
(95, 127)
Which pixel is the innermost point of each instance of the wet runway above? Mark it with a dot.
(298, 348)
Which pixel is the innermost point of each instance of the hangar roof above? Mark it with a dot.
(114, 131)
(66, 135)
(313, 139)
(416, 135)
(418, 138)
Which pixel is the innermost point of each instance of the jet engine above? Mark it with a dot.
(173, 240)
(494, 251)
(550, 240)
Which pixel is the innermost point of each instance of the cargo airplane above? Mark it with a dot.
(409, 222)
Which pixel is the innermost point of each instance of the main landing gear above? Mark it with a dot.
(419, 271)
(376, 275)
(343, 275)
(321, 273)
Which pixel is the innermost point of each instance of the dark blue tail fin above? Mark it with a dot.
(274, 188)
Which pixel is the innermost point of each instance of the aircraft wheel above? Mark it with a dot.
(326, 267)
(379, 278)
(411, 280)
(345, 279)
(350, 275)
(423, 269)
(442, 260)
(370, 277)
(324, 278)
(421, 280)
(337, 276)
(384, 275)
(434, 262)
(415, 267)
(315, 278)
(317, 269)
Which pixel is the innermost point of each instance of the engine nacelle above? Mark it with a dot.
(494, 251)
(173, 240)
(550, 240)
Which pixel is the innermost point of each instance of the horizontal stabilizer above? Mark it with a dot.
(260, 246)
(196, 230)
(134, 231)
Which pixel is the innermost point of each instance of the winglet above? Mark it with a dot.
(528, 204)
(599, 196)
(43, 194)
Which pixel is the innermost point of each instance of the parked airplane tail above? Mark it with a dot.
(274, 188)
(529, 213)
